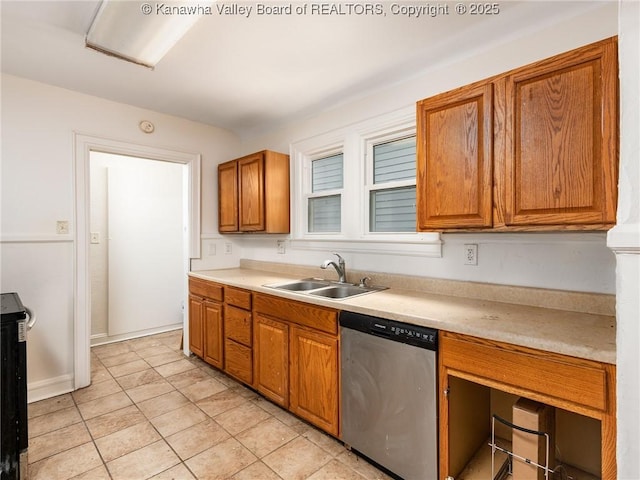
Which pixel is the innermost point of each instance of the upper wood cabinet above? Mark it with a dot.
(228, 197)
(562, 139)
(253, 194)
(455, 152)
(533, 149)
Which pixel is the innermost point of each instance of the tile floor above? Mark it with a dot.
(151, 412)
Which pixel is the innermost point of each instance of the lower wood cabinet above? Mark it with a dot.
(286, 350)
(196, 333)
(481, 378)
(205, 321)
(313, 377)
(238, 361)
(297, 359)
(212, 326)
(238, 336)
(272, 359)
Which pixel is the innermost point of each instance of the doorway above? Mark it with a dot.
(137, 246)
(84, 146)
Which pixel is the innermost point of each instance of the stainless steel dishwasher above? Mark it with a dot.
(389, 402)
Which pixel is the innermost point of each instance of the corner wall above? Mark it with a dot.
(38, 123)
(624, 240)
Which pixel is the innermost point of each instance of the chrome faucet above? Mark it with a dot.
(340, 268)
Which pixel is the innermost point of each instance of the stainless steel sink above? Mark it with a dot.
(341, 291)
(302, 285)
(324, 288)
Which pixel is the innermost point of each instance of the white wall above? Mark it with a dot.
(157, 227)
(624, 239)
(38, 122)
(571, 261)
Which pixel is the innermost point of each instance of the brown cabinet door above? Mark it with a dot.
(251, 193)
(196, 343)
(271, 359)
(314, 378)
(238, 361)
(237, 325)
(561, 139)
(213, 341)
(228, 197)
(455, 159)
(254, 194)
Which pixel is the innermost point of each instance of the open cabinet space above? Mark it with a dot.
(575, 445)
(496, 394)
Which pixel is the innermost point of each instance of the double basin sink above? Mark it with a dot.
(325, 288)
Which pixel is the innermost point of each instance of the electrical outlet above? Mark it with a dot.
(228, 248)
(471, 254)
(281, 247)
(62, 227)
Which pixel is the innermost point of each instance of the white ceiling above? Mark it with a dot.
(251, 74)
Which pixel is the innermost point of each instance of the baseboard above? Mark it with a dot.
(104, 338)
(49, 388)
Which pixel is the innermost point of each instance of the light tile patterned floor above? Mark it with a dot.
(150, 412)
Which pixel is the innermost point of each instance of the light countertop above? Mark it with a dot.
(582, 335)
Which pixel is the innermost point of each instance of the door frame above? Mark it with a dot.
(84, 144)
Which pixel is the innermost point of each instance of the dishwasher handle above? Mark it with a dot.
(380, 330)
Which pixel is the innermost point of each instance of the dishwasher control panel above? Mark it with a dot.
(416, 335)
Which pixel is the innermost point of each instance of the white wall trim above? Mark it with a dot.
(104, 338)
(84, 144)
(50, 387)
(31, 238)
(624, 238)
(431, 248)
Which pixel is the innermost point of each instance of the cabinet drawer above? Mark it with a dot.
(238, 361)
(237, 297)
(205, 288)
(317, 318)
(237, 325)
(553, 376)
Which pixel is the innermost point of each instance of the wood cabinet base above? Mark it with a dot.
(475, 373)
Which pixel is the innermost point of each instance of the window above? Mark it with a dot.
(324, 202)
(391, 184)
(355, 189)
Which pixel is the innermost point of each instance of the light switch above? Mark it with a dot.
(95, 237)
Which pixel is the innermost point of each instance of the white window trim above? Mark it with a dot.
(303, 160)
(353, 141)
(386, 135)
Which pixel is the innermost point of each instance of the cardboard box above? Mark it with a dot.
(541, 418)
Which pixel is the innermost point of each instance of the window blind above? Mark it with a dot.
(393, 210)
(326, 173)
(394, 160)
(325, 214)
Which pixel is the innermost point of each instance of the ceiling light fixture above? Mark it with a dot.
(142, 32)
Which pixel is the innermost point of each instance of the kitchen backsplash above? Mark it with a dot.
(585, 302)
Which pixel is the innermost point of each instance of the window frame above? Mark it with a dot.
(351, 139)
(307, 188)
(370, 141)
